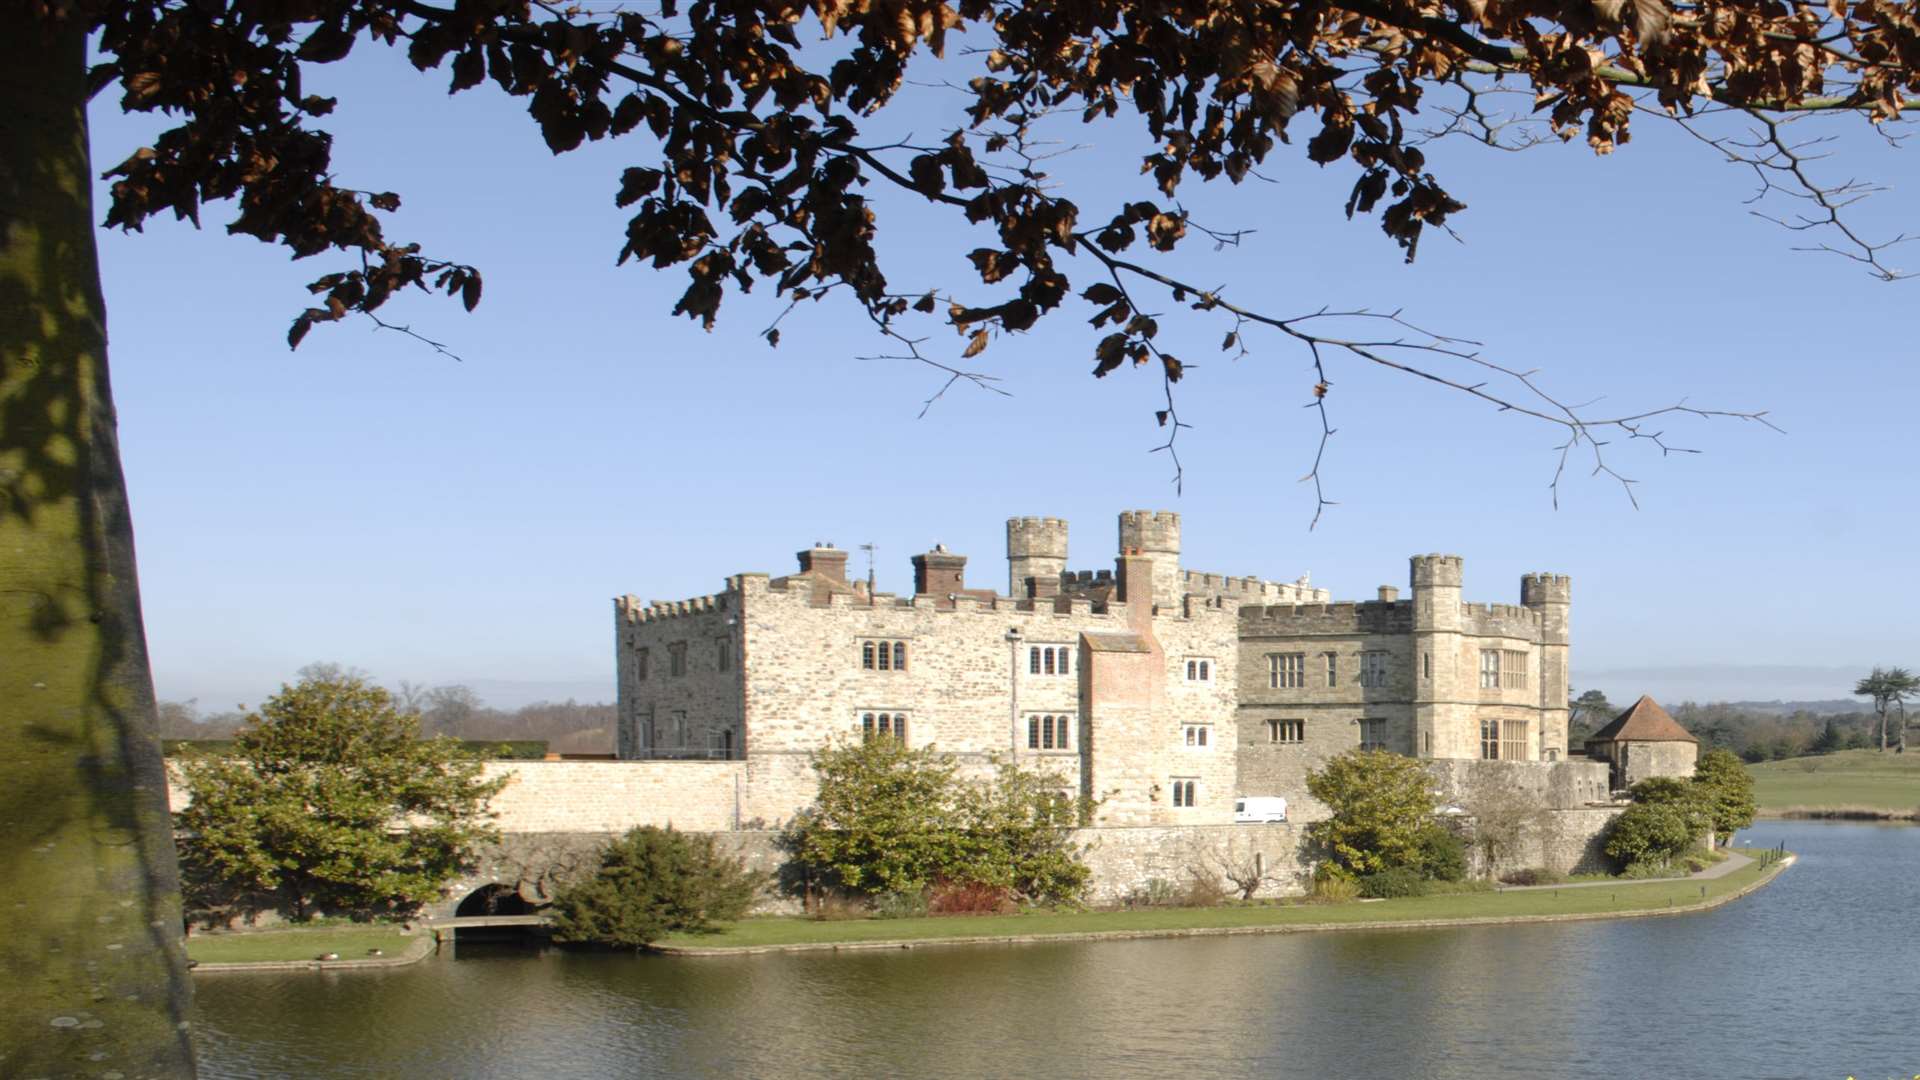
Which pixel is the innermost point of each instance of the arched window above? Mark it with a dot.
(899, 656)
(1033, 733)
(866, 655)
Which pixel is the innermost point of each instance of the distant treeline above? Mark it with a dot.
(565, 727)
(1757, 731)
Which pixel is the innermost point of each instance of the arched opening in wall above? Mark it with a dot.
(494, 899)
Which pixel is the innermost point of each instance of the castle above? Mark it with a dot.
(1164, 692)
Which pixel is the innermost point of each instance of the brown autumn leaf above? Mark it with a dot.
(975, 345)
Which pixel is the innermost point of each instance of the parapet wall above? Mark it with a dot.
(614, 796)
(1347, 617)
(1251, 590)
(1555, 785)
(1501, 620)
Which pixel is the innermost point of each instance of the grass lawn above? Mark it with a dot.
(350, 940)
(1866, 779)
(1595, 900)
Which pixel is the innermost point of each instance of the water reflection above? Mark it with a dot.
(1791, 982)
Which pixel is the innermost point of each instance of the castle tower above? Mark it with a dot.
(1152, 535)
(1036, 551)
(1552, 596)
(1440, 720)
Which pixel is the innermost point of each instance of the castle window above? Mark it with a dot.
(1426, 665)
(1049, 660)
(1333, 669)
(883, 725)
(1513, 669)
(1049, 731)
(1426, 743)
(1490, 739)
(1513, 740)
(1286, 731)
(1185, 792)
(1373, 669)
(883, 656)
(1199, 670)
(1373, 734)
(677, 728)
(1286, 670)
(677, 658)
(1195, 735)
(723, 654)
(640, 666)
(1489, 669)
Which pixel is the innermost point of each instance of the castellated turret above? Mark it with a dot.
(1436, 581)
(1036, 550)
(1539, 590)
(1430, 571)
(1149, 563)
(1552, 596)
(1152, 532)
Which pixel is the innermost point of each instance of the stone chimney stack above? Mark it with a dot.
(939, 572)
(824, 559)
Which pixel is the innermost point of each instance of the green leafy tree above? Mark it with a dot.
(1588, 713)
(1726, 784)
(651, 882)
(1382, 806)
(1890, 688)
(1651, 833)
(331, 801)
(889, 819)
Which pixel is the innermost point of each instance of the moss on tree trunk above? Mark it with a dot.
(91, 944)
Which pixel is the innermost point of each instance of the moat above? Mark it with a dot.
(1792, 981)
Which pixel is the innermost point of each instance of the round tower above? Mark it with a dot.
(1151, 532)
(1036, 548)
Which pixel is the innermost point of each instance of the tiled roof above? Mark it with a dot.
(1644, 721)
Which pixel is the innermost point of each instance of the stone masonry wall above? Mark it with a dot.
(614, 796)
(1556, 785)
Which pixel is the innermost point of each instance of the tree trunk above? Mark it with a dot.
(1900, 707)
(92, 947)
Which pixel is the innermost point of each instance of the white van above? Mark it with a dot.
(1254, 808)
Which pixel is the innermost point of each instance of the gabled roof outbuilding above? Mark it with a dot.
(1644, 721)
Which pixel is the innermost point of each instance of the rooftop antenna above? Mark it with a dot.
(869, 549)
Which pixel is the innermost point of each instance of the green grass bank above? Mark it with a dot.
(1850, 783)
(352, 941)
(1593, 901)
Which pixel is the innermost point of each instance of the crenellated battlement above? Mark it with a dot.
(1252, 590)
(630, 609)
(1501, 620)
(1156, 532)
(1345, 617)
(1437, 571)
(1543, 588)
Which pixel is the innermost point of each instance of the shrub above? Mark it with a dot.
(1652, 832)
(900, 905)
(839, 907)
(1202, 889)
(1442, 855)
(1156, 892)
(651, 882)
(1391, 884)
(1382, 807)
(970, 898)
(1647, 870)
(888, 819)
(1533, 875)
(1334, 889)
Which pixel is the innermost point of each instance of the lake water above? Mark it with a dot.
(1815, 975)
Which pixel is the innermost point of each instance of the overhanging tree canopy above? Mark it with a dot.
(754, 170)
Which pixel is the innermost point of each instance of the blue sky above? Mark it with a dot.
(368, 501)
